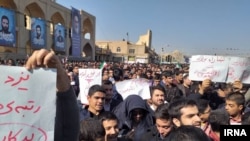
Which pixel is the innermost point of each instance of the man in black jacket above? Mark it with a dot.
(171, 89)
(163, 125)
(96, 100)
(110, 101)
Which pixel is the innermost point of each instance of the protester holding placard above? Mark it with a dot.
(206, 91)
(67, 113)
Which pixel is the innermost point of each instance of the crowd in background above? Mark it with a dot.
(179, 108)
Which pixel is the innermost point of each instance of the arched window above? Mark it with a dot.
(87, 36)
(118, 49)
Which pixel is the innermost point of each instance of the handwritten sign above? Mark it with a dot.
(219, 68)
(27, 104)
(239, 69)
(208, 67)
(88, 78)
(134, 86)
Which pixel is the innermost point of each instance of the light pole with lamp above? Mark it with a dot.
(162, 49)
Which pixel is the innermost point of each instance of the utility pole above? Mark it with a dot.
(162, 51)
(127, 37)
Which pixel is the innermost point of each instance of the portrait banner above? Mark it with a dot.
(8, 28)
(76, 32)
(38, 33)
(59, 37)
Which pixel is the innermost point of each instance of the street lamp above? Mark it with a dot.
(162, 49)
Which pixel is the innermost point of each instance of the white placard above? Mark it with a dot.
(27, 104)
(220, 68)
(239, 69)
(208, 67)
(138, 86)
(88, 78)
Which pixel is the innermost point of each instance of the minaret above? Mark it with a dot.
(149, 38)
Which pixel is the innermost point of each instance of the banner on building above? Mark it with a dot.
(76, 32)
(8, 28)
(38, 33)
(59, 37)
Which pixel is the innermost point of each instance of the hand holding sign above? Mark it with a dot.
(45, 58)
(205, 85)
(237, 85)
(29, 102)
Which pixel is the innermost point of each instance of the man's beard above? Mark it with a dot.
(5, 29)
(38, 36)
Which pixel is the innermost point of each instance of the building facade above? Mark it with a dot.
(173, 57)
(52, 13)
(127, 52)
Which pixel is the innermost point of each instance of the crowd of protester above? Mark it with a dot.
(179, 109)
